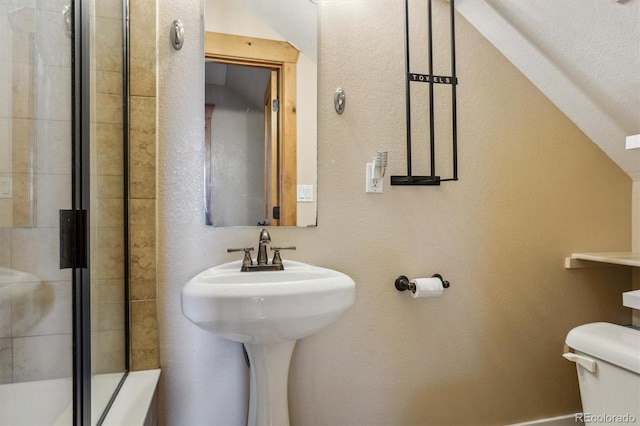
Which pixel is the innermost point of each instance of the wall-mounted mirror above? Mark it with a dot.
(260, 112)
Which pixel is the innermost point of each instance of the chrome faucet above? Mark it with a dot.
(262, 261)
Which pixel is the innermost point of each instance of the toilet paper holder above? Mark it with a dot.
(403, 283)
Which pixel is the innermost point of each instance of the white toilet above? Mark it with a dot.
(607, 358)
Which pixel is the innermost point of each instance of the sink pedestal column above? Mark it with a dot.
(268, 401)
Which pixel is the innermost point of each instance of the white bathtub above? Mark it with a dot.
(48, 402)
(34, 403)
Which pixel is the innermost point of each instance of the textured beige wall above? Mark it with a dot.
(532, 189)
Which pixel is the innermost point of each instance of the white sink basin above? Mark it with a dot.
(268, 311)
(266, 306)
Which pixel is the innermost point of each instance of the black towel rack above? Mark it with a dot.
(431, 80)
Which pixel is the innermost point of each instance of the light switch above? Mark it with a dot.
(305, 193)
(6, 188)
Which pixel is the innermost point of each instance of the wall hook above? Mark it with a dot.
(339, 98)
(177, 34)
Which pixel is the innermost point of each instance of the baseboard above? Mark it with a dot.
(568, 420)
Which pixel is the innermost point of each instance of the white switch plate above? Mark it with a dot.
(6, 188)
(305, 193)
(372, 185)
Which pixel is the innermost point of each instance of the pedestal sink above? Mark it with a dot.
(268, 311)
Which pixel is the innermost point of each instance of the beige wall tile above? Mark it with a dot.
(22, 94)
(48, 311)
(29, 364)
(109, 212)
(5, 88)
(107, 291)
(53, 193)
(142, 253)
(144, 334)
(142, 182)
(6, 361)
(23, 20)
(6, 146)
(53, 142)
(5, 240)
(23, 135)
(142, 185)
(24, 200)
(142, 214)
(142, 132)
(109, 149)
(6, 220)
(109, 109)
(107, 254)
(5, 312)
(144, 359)
(141, 289)
(107, 316)
(110, 186)
(52, 41)
(109, 9)
(108, 44)
(109, 82)
(22, 48)
(32, 249)
(144, 83)
(107, 348)
(54, 91)
(143, 48)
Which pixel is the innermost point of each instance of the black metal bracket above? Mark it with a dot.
(430, 79)
(73, 239)
(403, 283)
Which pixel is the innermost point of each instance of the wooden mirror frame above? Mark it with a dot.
(272, 54)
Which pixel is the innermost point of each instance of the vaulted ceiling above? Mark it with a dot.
(584, 55)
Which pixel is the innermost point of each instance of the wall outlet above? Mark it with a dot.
(373, 185)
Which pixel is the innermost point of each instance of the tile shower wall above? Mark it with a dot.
(142, 185)
(35, 163)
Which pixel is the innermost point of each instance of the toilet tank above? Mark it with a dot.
(607, 358)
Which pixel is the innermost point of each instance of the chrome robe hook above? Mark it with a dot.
(177, 34)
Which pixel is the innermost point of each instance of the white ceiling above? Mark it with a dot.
(295, 20)
(584, 55)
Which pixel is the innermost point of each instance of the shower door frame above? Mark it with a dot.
(81, 200)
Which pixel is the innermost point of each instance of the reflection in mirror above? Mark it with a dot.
(260, 113)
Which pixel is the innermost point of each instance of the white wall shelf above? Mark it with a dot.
(630, 299)
(591, 260)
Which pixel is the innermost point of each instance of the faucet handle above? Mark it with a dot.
(277, 260)
(247, 254)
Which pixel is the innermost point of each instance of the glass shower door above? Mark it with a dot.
(62, 149)
(107, 209)
(36, 296)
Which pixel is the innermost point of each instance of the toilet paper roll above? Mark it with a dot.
(427, 287)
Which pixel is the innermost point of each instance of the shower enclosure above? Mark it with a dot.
(63, 209)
